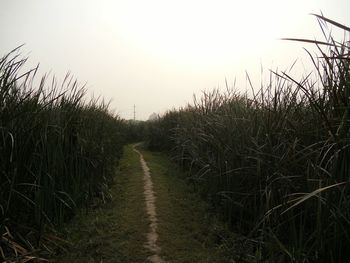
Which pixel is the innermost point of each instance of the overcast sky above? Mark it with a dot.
(156, 53)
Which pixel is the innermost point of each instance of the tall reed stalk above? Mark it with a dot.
(57, 152)
(275, 164)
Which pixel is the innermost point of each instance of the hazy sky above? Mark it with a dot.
(158, 53)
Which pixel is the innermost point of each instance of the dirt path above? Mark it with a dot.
(152, 235)
(153, 216)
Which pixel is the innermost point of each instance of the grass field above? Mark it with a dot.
(116, 232)
(187, 231)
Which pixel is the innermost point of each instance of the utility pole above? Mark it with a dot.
(134, 112)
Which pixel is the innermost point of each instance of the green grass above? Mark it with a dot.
(187, 232)
(114, 232)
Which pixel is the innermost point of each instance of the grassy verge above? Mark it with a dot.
(113, 232)
(186, 232)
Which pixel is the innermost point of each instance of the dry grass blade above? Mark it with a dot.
(332, 22)
(312, 194)
(316, 42)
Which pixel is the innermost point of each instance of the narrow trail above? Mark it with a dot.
(152, 235)
(154, 215)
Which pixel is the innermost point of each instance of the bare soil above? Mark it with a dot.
(152, 235)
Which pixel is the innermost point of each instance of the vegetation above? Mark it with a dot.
(115, 231)
(187, 233)
(134, 131)
(275, 164)
(57, 152)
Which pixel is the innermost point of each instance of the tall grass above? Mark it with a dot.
(58, 151)
(275, 164)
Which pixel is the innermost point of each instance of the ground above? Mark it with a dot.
(116, 231)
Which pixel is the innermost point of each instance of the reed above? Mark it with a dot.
(58, 151)
(275, 165)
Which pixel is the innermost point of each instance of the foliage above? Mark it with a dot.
(134, 130)
(57, 152)
(276, 164)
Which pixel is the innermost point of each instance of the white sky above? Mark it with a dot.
(158, 53)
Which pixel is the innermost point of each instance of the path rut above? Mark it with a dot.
(152, 235)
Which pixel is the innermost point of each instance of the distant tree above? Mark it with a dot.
(154, 116)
